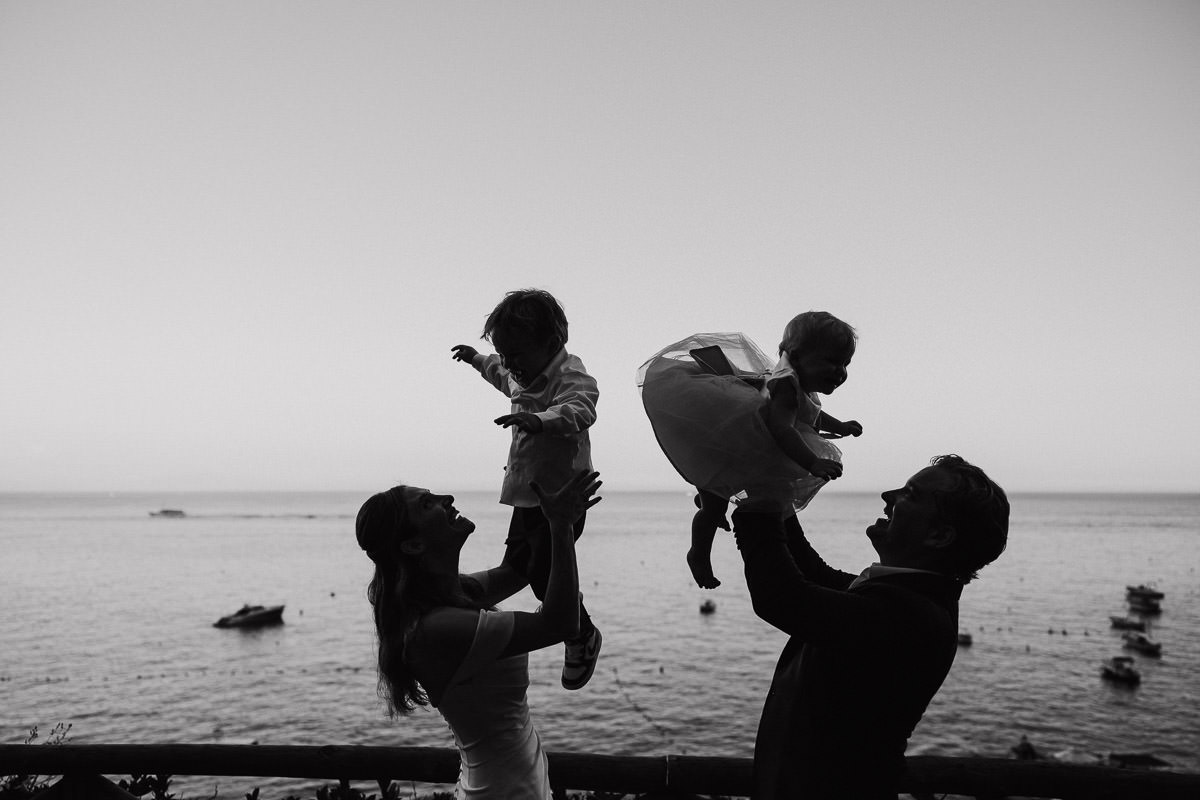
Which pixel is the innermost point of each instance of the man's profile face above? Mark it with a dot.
(910, 514)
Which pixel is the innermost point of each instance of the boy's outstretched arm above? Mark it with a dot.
(826, 422)
(488, 366)
(781, 419)
(464, 352)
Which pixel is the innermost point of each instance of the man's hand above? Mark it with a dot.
(851, 428)
(568, 503)
(826, 468)
(529, 423)
(464, 352)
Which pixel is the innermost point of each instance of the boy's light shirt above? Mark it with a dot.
(563, 396)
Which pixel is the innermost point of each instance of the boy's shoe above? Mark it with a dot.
(580, 661)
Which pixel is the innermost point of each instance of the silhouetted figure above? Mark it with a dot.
(553, 405)
(738, 429)
(867, 653)
(1024, 750)
(441, 642)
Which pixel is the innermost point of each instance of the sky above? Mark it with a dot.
(238, 240)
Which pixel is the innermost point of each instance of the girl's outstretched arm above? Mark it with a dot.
(781, 420)
(826, 422)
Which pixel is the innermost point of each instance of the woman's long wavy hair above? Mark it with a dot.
(401, 591)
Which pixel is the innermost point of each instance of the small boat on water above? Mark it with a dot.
(1144, 605)
(708, 607)
(1120, 670)
(251, 616)
(1144, 590)
(964, 640)
(168, 512)
(1142, 643)
(1128, 623)
(1136, 760)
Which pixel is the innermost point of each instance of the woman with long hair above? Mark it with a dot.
(443, 643)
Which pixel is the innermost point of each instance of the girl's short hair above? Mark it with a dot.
(818, 329)
(533, 312)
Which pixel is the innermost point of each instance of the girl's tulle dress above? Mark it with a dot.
(712, 428)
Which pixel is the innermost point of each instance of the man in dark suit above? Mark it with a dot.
(868, 652)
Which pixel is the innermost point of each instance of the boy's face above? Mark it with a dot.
(524, 356)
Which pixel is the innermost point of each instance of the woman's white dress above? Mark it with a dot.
(500, 752)
(713, 430)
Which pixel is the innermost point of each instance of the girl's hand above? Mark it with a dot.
(530, 423)
(826, 468)
(568, 504)
(852, 428)
(464, 352)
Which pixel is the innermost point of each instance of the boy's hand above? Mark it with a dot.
(464, 352)
(852, 428)
(826, 468)
(529, 423)
(571, 500)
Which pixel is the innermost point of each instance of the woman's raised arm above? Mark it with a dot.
(558, 617)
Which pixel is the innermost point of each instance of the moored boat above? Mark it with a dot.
(1144, 590)
(168, 512)
(1128, 623)
(1121, 670)
(249, 616)
(1144, 605)
(1142, 643)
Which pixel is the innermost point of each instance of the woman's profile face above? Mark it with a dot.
(436, 522)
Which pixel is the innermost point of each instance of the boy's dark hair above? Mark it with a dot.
(978, 509)
(533, 312)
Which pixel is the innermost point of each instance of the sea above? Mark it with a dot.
(106, 625)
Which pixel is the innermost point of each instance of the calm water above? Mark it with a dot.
(107, 624)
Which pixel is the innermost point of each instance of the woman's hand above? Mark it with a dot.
(567, 504)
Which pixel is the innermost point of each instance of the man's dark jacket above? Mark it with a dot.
(857, 673)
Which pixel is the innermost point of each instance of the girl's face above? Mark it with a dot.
(524, 356)
(821, 369)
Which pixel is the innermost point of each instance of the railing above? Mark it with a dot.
(666, 776)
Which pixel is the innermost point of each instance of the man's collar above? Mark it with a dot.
(878, 570)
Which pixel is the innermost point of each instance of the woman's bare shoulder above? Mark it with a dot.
(448, 624)
(439, 643)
